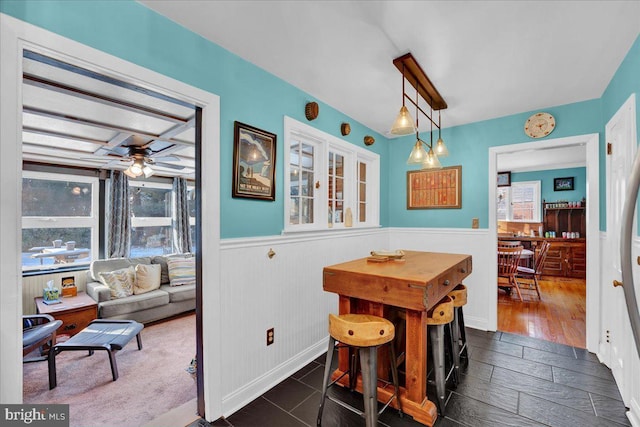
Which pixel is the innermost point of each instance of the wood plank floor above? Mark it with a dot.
(559, 316)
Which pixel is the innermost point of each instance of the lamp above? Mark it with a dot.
(423, 153)
(403, 125)
(137, 168)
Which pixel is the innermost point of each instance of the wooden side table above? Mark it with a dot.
(75, 312)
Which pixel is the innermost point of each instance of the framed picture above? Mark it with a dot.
(254, 158)
(435, 189)
(504, 179)
(563, 184)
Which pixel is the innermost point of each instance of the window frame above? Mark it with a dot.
(92, 222)
(537, 202)
(325, 143)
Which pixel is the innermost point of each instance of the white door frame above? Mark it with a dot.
(591, 143)
(17, 35)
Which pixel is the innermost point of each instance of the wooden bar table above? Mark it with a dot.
(413, 284)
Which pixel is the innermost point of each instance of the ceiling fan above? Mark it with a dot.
(140, 161)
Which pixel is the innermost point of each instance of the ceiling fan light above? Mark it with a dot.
(147, 171)
(129, 173)
(441, 148)
(404, 124)
(432, 161)
(418, 154)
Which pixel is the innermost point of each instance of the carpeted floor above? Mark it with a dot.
(151, 381)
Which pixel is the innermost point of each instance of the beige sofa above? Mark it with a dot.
(154, 305)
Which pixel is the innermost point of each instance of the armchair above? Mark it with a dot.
(37, 330)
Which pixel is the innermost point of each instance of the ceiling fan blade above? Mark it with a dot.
(168, 165)
(167, 159)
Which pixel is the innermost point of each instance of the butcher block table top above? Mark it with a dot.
(412, 285)
(401, 283)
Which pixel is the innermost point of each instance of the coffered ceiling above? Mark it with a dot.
(73, 116)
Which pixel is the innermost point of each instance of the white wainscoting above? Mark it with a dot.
(633, 363)
(32, 286)
(284, 293)
(481, 304)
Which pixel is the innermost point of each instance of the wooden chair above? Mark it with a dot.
(535, 272)
(509, 243)
(508, 259)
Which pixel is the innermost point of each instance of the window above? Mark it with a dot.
(520, 202)
(152, 217)
(151, 207)
(330, 183)
(59, 220)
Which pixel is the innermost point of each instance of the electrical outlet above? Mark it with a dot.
(270, 336)
(475, 223)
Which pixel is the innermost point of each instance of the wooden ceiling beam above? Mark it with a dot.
(415, 75)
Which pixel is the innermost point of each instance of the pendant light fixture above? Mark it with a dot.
(403, 125)
(424, 154)
(441, 149)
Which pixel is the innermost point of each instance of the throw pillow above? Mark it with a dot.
(120, 282)
(147, 278)
(182, 271)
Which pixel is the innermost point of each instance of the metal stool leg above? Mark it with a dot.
(325, 382)
(455, 336)
(437, 348)
(464, 354)
(368, 365)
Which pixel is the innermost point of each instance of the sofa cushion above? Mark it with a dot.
(102, 265)
(147, 278)
(162, 261)
(180, 293)
(120, 282)
(133, 303)
(182, 271)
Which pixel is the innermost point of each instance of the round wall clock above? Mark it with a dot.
(539, 125)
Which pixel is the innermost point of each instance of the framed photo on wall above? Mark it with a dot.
(254, 162)
(504, 179)
(435, 189)
(563, 184)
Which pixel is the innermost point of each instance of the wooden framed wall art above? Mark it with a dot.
(435, 189)
(254, 162)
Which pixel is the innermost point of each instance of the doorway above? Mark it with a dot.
(17, 36)
(590, 143)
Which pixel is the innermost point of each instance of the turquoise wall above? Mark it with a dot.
(469, 147)
(248, 94)
(546, 185)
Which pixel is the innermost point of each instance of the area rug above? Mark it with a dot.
(151, 381)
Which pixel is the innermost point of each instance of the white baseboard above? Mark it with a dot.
(476, 322)
(634, 413)
(243, 396)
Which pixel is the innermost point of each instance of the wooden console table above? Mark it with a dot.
(414, 285)
(75, 312)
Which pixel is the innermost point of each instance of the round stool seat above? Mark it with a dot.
(442, 313)
(361, 330)
(459, 295)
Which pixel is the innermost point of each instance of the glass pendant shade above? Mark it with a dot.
(431, 162)
(404, 124)
(441, 149)
(418, 154)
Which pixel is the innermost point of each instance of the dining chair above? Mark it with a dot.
(534, 273)
(508, 259)
(509, 243)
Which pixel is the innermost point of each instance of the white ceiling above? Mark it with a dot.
(488, 59)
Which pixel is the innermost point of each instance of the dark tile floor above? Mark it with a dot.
(511, 380)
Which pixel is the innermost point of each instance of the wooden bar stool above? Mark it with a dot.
(364, 333)
(438, 318)
(459, 297)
